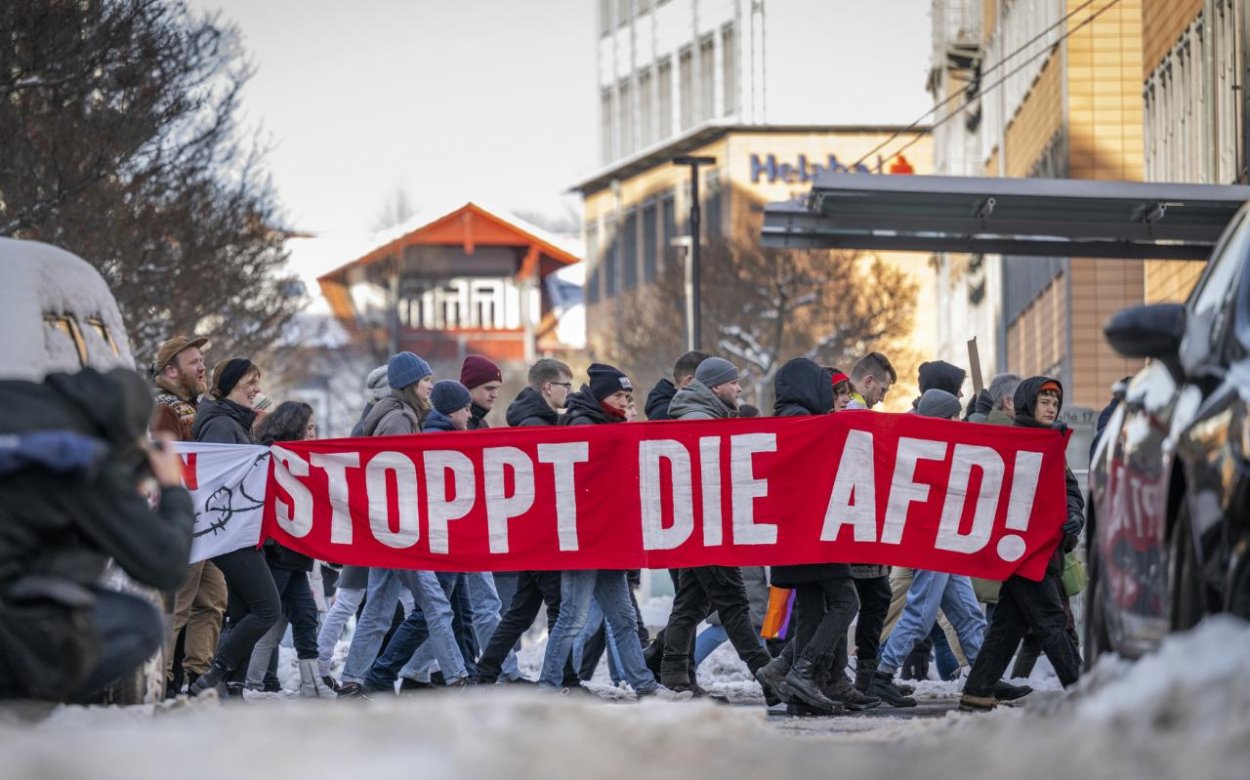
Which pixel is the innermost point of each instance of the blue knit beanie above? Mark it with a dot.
(406, 369)
(450, 396)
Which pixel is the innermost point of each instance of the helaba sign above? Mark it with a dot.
(799, 172)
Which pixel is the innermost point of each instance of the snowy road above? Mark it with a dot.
(1184, 712)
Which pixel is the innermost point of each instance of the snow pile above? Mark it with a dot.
(1198, 680)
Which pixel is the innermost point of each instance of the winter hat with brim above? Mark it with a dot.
(449, 396)
(938, 403)
(606, 380)
(405, 369)
(477, 371)
(376, 384)
(715, 371)
(171, 348)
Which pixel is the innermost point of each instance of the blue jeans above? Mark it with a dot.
(947, 663)
(429, 619)
(610, 588)
(929, 592)
(593, 621)
(712, 637)
(486, 608)
(385, 590)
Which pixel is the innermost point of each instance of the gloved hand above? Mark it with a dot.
(1070, 542)
(983, 403)
(1073, 525)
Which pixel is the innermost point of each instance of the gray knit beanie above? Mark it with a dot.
(715, 371)
(938, 403)
(376, 385)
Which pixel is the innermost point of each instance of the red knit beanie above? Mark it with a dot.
(478, 370)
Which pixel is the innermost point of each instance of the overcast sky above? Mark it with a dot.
(451, 100)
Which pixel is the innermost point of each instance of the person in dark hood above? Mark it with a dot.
(74, 457)
(483, 379)
(1023, 604)
(662, 394)
(550, 382)
(601, 401)
(940, 375)
(809, 674)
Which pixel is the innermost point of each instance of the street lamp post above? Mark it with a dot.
(694, 329)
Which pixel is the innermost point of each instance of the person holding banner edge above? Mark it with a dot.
(227, 418)
(1025, 604)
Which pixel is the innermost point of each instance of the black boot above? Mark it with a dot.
(883, 687)
(1005, 691)
(213, 678)
(801, 684)
(653, 655)
(840, 689)
(864, 667)
(770, 677)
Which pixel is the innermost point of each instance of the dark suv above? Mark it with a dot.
(1169, 509)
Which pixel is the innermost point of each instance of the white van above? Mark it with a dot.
(57, 315)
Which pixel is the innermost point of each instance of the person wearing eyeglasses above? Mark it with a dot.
(539, 404)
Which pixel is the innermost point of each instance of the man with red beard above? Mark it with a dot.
(200, 602)
(178, 372)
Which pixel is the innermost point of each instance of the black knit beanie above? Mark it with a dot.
(606, 380)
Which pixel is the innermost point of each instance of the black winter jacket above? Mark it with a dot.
(658, 400)
(223, 422)
(803, 388)
(529, 409)
(582, 408)
(478, 420)
(68, 526)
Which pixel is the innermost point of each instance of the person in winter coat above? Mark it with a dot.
(933, 591)
(656, 407)
(72, 461)
(403, 411)
(872, 376)
(408, 653)
(711, 395)
(483, 380)
(431, 615)
(228, 415)
(809, 673)
(200, 602)
(537, 405)
(600, 402)
(940, 375)
(1024, 604)
(227, 418)
(376, 388)
(290, 421)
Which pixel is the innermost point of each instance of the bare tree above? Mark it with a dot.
(762, 307)
(120, 144)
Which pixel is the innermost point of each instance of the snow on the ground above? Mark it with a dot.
(1184, 711)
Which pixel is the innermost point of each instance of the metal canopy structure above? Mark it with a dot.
(978, 215)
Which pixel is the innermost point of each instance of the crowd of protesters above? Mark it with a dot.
(419, 630)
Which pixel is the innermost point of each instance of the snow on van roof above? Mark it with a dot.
(38, 280)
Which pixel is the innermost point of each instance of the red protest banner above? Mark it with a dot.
(856, 487)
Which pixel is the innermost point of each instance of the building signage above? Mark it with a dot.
(802, 171)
